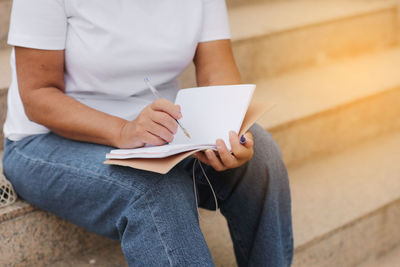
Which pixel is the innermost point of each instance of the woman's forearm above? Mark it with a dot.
(71, 119)
(41, 85)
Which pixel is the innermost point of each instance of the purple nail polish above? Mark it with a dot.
(242, 140)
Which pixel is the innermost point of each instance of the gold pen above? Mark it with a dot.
(156, 94)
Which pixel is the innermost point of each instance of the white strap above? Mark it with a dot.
(195, 190)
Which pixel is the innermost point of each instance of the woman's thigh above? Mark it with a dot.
(69, 179)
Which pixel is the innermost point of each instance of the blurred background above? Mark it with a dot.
(332, 67)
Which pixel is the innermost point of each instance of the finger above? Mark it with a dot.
(166, 106)
(165, 120)
(160, 131)
(214, 161)
(228, 160)
(202, 157)
(153, 140)
(241, 152)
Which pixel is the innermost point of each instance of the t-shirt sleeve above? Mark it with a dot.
(40, 24)
(215, 21)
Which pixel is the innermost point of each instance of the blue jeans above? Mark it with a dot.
(153, 215)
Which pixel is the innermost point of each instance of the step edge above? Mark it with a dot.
(330, 109)
(362, 11)
(318, 238)
(326, 69)
(5, 79)
(380, 185)
(18, 209)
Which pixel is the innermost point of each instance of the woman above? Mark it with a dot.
(77, 91)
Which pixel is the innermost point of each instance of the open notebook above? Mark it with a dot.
(209, 113)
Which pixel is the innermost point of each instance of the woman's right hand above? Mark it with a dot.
(155, 125)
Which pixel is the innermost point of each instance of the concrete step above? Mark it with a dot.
(5, 70)
(5, 79)
(325, 109)
(236, 3)
(389, 259)
(5, 10)
(270, 38)
(31, 237)
(346, 206)
(344, 214)
(274, 37)
(110, 256)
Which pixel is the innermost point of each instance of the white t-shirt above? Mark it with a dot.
(110, 47)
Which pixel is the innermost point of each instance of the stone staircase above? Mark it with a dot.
(331, 67)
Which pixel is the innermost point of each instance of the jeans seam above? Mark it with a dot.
(96, 175)
(289, 247)
(159, 233)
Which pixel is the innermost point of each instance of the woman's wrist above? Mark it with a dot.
(127, 136)
(116, 138)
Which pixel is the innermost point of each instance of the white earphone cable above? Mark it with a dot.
(195, 189)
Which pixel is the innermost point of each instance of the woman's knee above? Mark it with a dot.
(266, 149)
(267, 164)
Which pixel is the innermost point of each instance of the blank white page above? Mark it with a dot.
(209, 113)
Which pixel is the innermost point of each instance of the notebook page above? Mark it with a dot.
(211, 112)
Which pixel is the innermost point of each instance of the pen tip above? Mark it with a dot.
(187, 134)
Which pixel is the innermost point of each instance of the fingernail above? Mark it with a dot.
(242, 139)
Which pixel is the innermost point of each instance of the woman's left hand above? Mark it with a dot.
(228, 160)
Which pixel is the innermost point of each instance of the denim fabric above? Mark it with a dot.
(153, 215)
